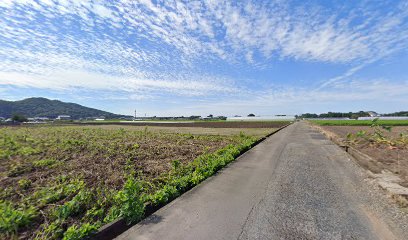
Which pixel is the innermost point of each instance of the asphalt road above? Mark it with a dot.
(294, 185)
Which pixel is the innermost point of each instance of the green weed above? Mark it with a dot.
(128, 203)
(77, 233)
(11, 219)
(76, 205)
(52, 230)
(24, 183)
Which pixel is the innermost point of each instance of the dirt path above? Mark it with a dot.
(295, 185)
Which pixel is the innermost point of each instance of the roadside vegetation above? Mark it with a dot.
(378, 136)
(66, 182)
(386, 142)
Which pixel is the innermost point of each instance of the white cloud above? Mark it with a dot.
(358, 94)
(72, 79)
(279, 28)
(276, 28)
(163, 45)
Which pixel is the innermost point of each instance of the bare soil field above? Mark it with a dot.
(391, 154)
(258, 132)
(67, 181)
(209, 124)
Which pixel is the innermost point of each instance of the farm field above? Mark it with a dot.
(67, 181)
(201, 124)
(359, 122)
(388, 148)
(257, 132)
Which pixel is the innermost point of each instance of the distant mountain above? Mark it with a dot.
(43, 107)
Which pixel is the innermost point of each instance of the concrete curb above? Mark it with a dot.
(115, 228)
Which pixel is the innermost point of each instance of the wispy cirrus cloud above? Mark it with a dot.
(223, 29)
(355, 95)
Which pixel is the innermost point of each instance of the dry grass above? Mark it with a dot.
(391, 158)
(402, 201)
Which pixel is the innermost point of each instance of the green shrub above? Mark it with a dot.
(11, 219)
(44, 162)
(128, 203)
(75, 233)
(26, 151)
(19, 118)
(70, 208)
(175, 165)
(164, 195)
(53, 230)
(57, 192)
(95, 212)
(24, 183)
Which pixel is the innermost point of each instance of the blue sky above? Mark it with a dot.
(202, 57)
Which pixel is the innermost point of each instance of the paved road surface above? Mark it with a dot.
(294, 185)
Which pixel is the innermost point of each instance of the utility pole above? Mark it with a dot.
(135, 114)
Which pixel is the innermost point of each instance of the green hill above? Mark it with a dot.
(43, 107)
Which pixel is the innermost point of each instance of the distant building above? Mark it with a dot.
(63, 117)
(41, 119)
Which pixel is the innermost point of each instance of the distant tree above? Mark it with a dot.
(192, 117)
(210, 116)
(335, 115)
(309, 115)
(19, 118)
(398, 114)
(251, 115)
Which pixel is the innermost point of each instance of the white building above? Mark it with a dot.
(63, 117)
